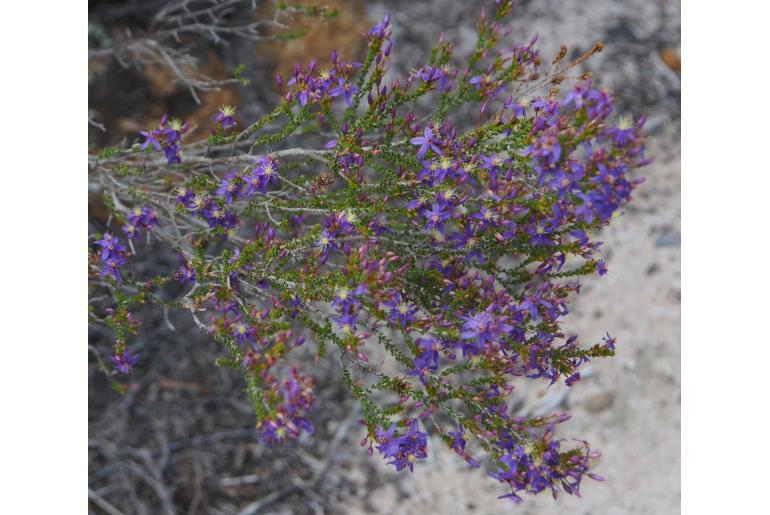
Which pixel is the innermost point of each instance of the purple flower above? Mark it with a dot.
(326, 242)
(172, 133)
(546, 150)
(624, 133)
(436, 216)
(241, 331)
(458, 441)
(540, 233)
(110, 246)
(531, 304)
(230, 186)
(225, 117)
(112, 267)
(140, 218)
(173, 155)
(347, 323)
(494, 164)
(404, 450)
(217, 216)
(467, 238)
(426, 142)
(429, 74)
(278, 429)
(486, 217)
(344, 221)
(609, 341)
(264, 172)
(125, 361)
(417, 203)
(517, 107)
(400, 310)
(346, 297)
(480, 81)
(112, 256)
(151, 139)
(186, 272)
(346, 89)
(427, 358)
(437, 170)
(481, 329)
(601, 267)
(381, 30)
(185, 196)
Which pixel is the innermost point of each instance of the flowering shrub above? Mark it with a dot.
(434, 263)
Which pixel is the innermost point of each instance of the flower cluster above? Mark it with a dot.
(290, 419)
(539, 464)
(140, 218)
(167, 137)
(112, 256)
(312, 85)
(403, 449)
(449, 249)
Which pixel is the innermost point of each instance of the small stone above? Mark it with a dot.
(671, 239)
(600, 402)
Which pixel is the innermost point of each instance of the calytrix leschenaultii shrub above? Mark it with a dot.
(449, 254)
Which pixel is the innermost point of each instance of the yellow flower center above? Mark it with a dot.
(350, 215)
(625, 123)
